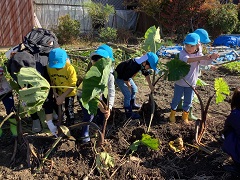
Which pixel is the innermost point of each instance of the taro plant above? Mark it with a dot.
(151, 40)
(175, 68)
(32, 92)
(93, 86)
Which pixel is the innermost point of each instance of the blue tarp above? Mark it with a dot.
(226, 53)
(230, 40)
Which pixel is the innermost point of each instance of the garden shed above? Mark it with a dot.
(17, 19)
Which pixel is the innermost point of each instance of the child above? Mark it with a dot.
(61, 73)
(231, 143)
(204, 39)
(103, 51)
(7, 98)
(126, 71)
(189, 55)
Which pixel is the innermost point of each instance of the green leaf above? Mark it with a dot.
(91, 106)
(134, 145)
(157, 37)
(222, 89)
(34, 89)
(201, 82)
(150, 142)
(152, 39)
(104, 161)
(14, 85)
(177, 69)
(95, 83)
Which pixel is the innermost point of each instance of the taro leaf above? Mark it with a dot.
(134, 145)
(152, 39)
(14, 85)
(95, 83)
(201, 82)
(34, 89)
(222, 89)
(150, 142)
(91, 105)
(177, 69)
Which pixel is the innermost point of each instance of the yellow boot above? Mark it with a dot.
(185, 117)
(172, 116)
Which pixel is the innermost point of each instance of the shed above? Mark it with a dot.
(18, 17)
(16, 21)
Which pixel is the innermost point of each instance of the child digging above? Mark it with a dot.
(126, 71)
(61, 73)
(103, 51)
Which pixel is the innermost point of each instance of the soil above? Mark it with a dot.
(73, 160)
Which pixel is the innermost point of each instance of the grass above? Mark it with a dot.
(233, 67)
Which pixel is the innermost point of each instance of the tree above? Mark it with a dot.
(173, 16)
(223, 19)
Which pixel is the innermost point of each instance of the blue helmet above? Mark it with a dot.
(57, 58)
(153, 60)
(204, 38)
(99, 52)
(192, 39)
(108, 49)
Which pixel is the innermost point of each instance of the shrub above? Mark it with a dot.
(99, 13)
(223, 19)
(123, 35)
(68, 29)
(108, 34)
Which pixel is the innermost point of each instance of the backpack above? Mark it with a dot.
(40, 40)
(32, 52)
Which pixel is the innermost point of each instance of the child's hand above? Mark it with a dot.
(214, 56)
(128, 85)
(60, 100)
(213, 68)
(55, 94)
(104, 111)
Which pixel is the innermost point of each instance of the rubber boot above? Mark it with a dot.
(13, 126)
(134, 105)
(130, 114)
(191, 116)
(172, 117)
(185, 117)
(36, 126)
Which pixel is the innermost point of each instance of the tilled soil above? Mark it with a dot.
(73, 160)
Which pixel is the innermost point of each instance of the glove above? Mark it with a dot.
(52, 128)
